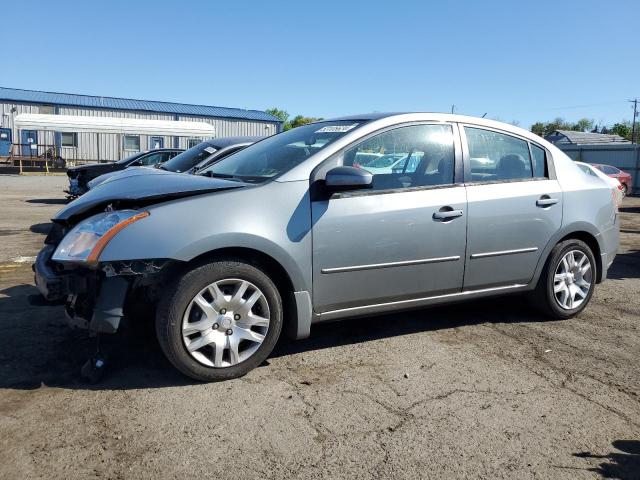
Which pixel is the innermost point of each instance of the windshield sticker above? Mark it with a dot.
(336, 128)
(210, 150)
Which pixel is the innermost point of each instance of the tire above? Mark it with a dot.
(544, 296)
(178, 309)
(624, 190)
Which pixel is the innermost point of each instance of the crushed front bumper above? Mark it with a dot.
(93, 300)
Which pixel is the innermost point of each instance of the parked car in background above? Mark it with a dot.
(189, 161)
(623, 177)
(80, 176)
(288, 232)
(615, 185)
(207, 153)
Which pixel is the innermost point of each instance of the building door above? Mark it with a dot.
(156, 142)
(27, 139)
(5, 142)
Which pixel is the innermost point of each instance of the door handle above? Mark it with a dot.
(546, 201)
(444, 214)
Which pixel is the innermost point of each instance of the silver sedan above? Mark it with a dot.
(294, 230)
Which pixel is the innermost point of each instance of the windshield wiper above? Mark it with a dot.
(226, 176)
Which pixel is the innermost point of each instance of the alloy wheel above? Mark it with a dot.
(572, 280)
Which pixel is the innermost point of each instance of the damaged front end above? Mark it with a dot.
(95, 294)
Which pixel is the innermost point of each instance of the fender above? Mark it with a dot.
(559, 235)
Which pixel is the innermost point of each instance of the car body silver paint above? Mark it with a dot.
(272, 218)
(363, 229)
(279, 219)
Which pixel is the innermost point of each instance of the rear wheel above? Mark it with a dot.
(220, 320)
(624, 190)
(567, 281)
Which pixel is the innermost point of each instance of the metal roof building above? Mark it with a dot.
(39, 107)
(560, 137)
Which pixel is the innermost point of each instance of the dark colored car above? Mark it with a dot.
(206, 153)
(623, 177)
(79, 176)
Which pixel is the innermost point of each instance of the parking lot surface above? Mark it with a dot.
(480, 390)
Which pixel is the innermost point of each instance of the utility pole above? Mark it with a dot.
(633, 123)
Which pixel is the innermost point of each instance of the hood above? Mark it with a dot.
(131, 171)
(144, 185)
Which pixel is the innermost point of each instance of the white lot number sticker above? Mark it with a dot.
(336, 128)
(210, 150)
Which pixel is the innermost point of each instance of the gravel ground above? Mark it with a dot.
(481, 390)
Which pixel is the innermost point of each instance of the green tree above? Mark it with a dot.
(276, 112)
(538, 128)
(300, 120)
(584, 125)
(623, 129)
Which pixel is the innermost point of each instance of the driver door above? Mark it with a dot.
(402, 239)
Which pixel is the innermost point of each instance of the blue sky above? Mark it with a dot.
(514, 60)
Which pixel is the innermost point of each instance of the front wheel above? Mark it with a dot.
(624, 190)
(219, 320)
(567, 281)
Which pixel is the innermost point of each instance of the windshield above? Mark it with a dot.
(187, 159)
(278, 154)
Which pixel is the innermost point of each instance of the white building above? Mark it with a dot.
(112, 128)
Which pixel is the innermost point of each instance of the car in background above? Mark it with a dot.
(80, 176)
(289, 232)
(623, 177)
(207, 153)
(616, 186)
(192, 160)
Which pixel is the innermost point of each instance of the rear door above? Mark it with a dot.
(514, 204)
(400, 240)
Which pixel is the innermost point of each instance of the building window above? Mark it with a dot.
(68, 139)
(192, 142)
(47, 109)
(132, 142)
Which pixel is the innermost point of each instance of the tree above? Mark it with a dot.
(297, 121)
(623, 129)
(584, 125)
(276, 112)
(300, 120)
(538, 128)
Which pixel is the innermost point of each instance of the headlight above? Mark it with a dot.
(85, 242)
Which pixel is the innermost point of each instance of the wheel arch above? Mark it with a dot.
(581, 231)
(273, 268)
(590, 240)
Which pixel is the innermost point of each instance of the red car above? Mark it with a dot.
(623, 177)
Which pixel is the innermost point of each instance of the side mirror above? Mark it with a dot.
(348, 178)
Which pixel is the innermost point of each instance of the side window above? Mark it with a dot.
(539, 162)
(152, 159)
(610, 170)
(495, 156)
(414, 156)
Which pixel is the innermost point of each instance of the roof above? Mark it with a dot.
(75, 123)
(584, 138)
(70, 99)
